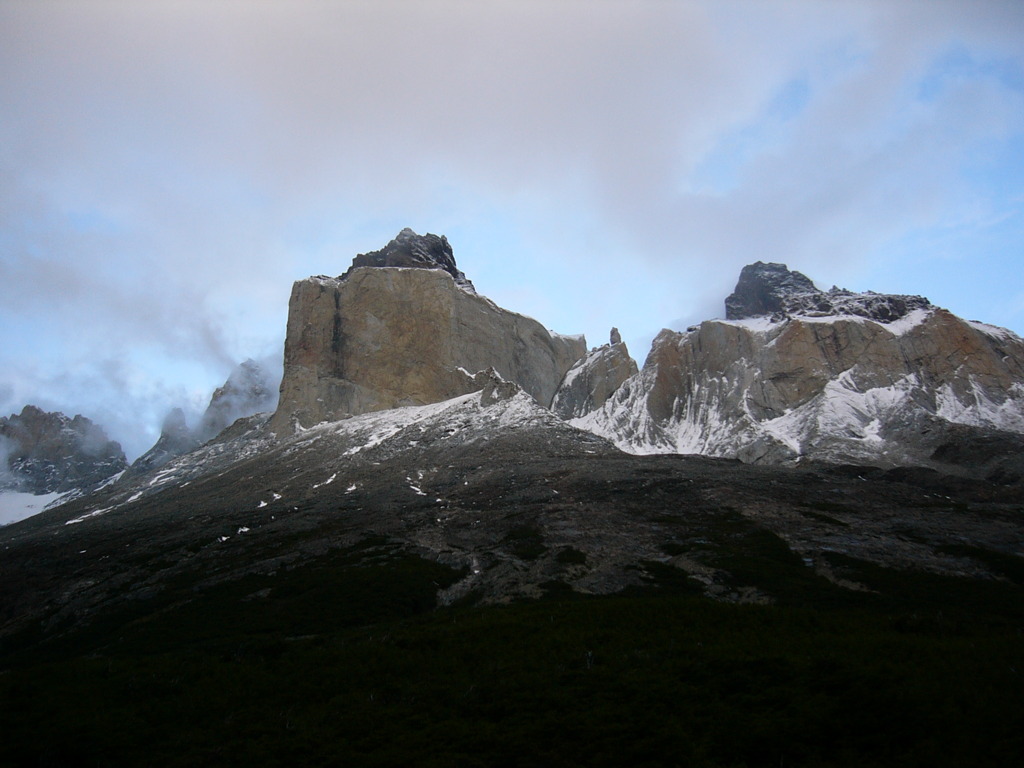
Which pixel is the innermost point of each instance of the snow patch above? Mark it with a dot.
(110, 480)
(909, 321)
(976, 408)
(94, 513)
(841, 409)
(1003, 334)
(328, 481)
(760, 324)
(416, 489)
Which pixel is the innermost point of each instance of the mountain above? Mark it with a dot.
(382, 430)
(401, 327)
(795, 373)
(176, 438)
(50, 453)
(409, 563)
(594, 378)
(249, 389)
(47, 458)
(514, 500)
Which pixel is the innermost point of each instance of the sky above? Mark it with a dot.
(168, 169)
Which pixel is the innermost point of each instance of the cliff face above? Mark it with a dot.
(831, 375)
(593, 379)
(381, 337)
(51, 453)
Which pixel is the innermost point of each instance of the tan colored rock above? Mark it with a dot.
(838, 388)
(385, 337)
(593, 379)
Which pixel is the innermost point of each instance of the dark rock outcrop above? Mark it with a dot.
(412, 251)
(773, 290)
(51, 453)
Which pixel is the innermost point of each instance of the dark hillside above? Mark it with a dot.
(532, 598)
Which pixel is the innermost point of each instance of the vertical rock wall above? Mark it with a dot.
(385, 337)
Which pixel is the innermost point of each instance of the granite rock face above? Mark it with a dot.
(829, 380)
(51, 453)
(593, 379)
(385, 336)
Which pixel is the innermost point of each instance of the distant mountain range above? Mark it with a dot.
(809, 512)
(792, 374)
(410, 404)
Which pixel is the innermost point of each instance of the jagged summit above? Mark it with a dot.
(832, 376)
(773, 290)
(763, 289)
(248, 390)
(175, 439)
(410, 250)
(46, 452)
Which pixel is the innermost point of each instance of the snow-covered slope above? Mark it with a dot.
(881, 379)
(326, 451)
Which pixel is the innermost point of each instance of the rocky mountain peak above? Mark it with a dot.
(410, 250)
(175, 426)
(594, 378)
(377, 339)
(48, 452)
(773, 290)
(763, 289)
(249, 389)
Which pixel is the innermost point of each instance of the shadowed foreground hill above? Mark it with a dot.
(477, 583)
